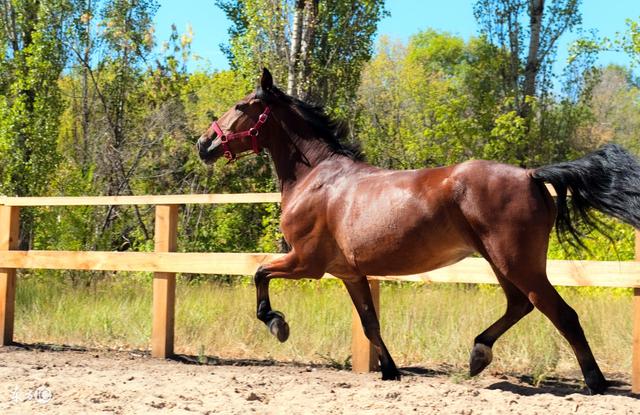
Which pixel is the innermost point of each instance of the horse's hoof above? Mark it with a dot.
(279, 328)
(597, 386)
(391, 375)
(481, 356)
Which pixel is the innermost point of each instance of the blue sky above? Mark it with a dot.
(407, 17)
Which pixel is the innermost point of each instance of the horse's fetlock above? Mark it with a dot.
(263, 311)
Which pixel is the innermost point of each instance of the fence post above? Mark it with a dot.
(9, 239)
(364, 357)
(164, 284)
(635, 364)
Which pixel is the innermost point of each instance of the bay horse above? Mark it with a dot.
(343, 216)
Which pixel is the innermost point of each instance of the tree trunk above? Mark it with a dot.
(308, 34)
(294, 55)
(536, 9)
(85, 160)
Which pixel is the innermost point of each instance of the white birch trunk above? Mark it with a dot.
(294, 55)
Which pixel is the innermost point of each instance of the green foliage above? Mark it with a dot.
(440, 100)
(436, 52)
(631, 40)
(615, 244)
(508, 138)
(413, 110)
(343, 45)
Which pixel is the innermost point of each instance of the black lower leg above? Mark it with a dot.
(361, 296)
(274, 320)
(518, 306)
(565, 319)
(387, 365)
(569, 326)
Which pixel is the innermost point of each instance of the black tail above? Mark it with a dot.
(607, 180)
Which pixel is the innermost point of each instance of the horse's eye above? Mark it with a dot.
(241, 107)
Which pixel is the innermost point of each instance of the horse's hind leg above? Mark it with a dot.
(361, 296)
(524, 267)
(545, 298)
(518, 306)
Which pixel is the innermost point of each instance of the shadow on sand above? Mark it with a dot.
(524, 385)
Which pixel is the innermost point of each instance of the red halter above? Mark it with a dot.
(251, 132)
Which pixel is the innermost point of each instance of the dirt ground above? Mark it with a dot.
(66, 381)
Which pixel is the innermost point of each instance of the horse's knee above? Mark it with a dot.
(520, 309)
(260, 276)
(527, 308)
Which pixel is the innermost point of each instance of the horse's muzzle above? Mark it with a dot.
(208, 149)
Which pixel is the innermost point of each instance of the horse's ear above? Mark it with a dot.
(266, 81)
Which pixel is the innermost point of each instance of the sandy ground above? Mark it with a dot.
(53, 381)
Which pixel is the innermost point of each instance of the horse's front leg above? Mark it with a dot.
(289, 266)
(361, 296)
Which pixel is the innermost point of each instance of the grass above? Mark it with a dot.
(422, 324)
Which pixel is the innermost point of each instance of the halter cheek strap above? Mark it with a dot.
(252, 132)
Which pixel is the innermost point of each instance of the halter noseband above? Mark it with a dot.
(251, 132)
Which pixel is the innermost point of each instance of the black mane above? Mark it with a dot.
(332, 132)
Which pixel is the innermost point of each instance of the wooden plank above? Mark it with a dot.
(364, 357)
(635, 358)
(196, 263)
(9, 239)
(164, 284)
(560, 272)
(470, 270)
(551, 190)
(143, 200)
(152, 199)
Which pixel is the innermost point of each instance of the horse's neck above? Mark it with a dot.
(295, 158)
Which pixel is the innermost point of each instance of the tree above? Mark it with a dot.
(614, 102)
(531, 48)
(32, 58)
(417, 104)
(440, 100)
(316, 48)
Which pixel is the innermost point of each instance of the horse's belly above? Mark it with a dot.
(410, 259)
(403, 247)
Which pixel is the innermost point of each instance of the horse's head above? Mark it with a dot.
(239, 130)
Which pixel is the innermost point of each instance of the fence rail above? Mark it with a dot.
(164, 262)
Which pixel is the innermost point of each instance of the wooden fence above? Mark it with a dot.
(165, 263)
